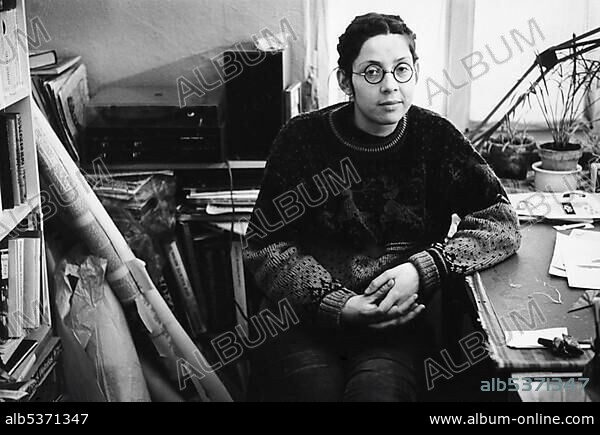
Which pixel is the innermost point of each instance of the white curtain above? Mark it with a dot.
(317, 53)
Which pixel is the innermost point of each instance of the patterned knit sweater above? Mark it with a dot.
(338, 207)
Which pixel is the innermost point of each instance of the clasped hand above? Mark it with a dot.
(390, 300)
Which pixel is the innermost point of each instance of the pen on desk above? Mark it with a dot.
(573, 226)
(589, 266)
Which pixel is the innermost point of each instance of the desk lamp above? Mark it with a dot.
(548, 60)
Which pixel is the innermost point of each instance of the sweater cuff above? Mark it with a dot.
(330, 308)
(429, 275)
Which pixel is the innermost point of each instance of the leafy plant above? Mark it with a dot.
(562, 97)
(512, 131)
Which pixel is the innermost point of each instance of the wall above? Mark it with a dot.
(152, 42)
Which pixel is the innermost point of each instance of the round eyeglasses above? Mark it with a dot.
(374, 74)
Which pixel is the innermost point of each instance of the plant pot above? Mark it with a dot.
(560, 160)
(511, 161)
(555, 181)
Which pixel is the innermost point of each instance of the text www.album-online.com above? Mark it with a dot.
(505, 419)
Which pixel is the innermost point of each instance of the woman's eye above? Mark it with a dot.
(372, 72)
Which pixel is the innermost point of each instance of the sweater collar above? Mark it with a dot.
(341, 122)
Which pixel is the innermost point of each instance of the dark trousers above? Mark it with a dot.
(311, 365)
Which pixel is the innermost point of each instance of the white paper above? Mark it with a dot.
(584, 206)
(567, 227)
(582, 259)
(557, 265)
(529, 339)
(213, 209)
(239, 227)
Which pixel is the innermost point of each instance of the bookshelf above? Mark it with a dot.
(24, 218)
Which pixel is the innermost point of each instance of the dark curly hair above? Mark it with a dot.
(366, 26)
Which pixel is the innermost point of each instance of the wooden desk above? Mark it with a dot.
(505, 300)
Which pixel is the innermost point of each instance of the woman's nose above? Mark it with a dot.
(389, 83)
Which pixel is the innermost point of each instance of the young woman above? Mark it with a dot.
(351, 227)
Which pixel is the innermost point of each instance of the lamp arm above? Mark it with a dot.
(571, 44)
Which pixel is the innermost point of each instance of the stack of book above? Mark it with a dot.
(23, 307)
(13, 175)
(219, 205)
(136, 193)
(205, 259)
(206, 221)
(27, 367)
(60, 90)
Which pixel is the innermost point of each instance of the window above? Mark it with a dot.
(506, 37)
(471, 51)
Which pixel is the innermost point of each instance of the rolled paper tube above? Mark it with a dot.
(99, 233)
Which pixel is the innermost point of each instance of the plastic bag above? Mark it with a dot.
(100, 359)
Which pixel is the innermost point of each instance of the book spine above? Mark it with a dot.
(6, 162)
(20, 371)
(13, 157)
(15, 291)
(45, 313)
(22, 182)
(206, 263)
(239, 285)
(193, 266)
(31, 281)
(5, 179)
(163, 289)
(43, 369)
(4, 334)
(225, 296)
(192, 312)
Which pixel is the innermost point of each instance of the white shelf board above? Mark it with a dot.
(9, 219)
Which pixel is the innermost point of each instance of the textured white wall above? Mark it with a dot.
(152, 42)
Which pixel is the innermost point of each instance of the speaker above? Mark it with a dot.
(254, 101)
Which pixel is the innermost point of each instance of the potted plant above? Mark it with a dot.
(562, 98)
(511, 151)
(593, 146)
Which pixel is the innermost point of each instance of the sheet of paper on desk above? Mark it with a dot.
(568, 206)
(582, 259)
(557, 265)
(529, 339)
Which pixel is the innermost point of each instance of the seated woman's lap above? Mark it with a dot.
(301, 365)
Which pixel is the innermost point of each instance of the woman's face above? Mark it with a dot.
(379, 107)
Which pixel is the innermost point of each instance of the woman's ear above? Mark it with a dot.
(417, 71)
(344, 83)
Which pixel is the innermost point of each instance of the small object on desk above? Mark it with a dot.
(529, 339)
(567, 227)
(566, 346)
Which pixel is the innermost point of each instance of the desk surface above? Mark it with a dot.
(505, 301)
